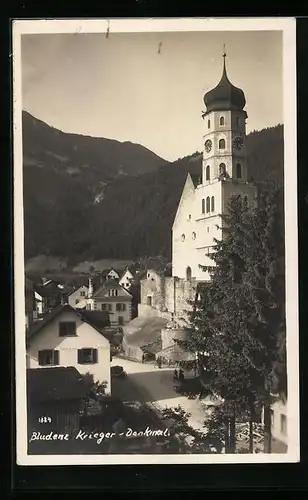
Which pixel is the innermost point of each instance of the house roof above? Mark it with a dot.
(55, 384)
(153, 347)
(94, 322)
(48, 291)
(105, 272)
(76, 288)
(108, 285)
(143, 331)
(196, 178)
(98, 319)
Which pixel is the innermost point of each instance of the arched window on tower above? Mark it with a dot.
(203, 206)
(188, 273)
(221, 120)
(207, 173)
(222, 170)
(209, 124)
(238, 171)
(208, 204)
(222, 144)
(212, 204)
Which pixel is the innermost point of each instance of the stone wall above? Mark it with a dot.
(166, 296)
(168, 335)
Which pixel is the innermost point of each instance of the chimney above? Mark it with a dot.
(90, 291)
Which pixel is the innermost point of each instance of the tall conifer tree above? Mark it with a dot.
(238, 321)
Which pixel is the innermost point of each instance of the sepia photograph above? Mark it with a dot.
(155, 241)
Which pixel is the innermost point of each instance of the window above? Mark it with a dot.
(283, 424)
(209, 124)
(104, 307)
(203, 206)
(208, 229)
(193, 235)
(149, 300)
(113, 293)
(67, 329)
(208, 208)
(221, 120)
(77, 301)
(238, 171)
(183, 237)
(207, 173)
(48, 357)
(120, 320)
(120, 307)
(148, 275)
(82, 293)
(188, 273)
(212, 204)
(222, 169)
(189, 217)
(87, 356)
(222, 144)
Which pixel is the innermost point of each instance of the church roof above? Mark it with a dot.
(196, 178)
(145, 332)
(225, 95)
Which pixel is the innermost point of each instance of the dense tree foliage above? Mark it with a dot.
(238, 322)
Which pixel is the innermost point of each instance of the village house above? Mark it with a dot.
(100, 278)
(127, 278)
(279, 425)
(55, 399)
(68, 338)
(114, 299)
(77, 298)
(48, 296)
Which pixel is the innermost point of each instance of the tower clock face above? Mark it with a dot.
(238, 142)
(208, 145)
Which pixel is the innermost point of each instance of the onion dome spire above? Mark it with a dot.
(225, 95)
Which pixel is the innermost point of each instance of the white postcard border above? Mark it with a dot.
(288, 27)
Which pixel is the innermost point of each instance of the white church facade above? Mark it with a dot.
(224, 173)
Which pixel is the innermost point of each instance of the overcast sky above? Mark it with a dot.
(121, 88)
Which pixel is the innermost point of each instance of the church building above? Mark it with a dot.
(224, 173)
(197, 223)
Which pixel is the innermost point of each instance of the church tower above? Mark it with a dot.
(224, 173)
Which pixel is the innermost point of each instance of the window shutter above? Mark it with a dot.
(56, 357)
(124, 307)
(40, 360)
(79, 356)
(95, 356)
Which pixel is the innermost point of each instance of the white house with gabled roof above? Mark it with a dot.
(114, 299)
(126, 279)
(66, 337)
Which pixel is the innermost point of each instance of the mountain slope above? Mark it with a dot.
(90, 159)
(64, 174)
